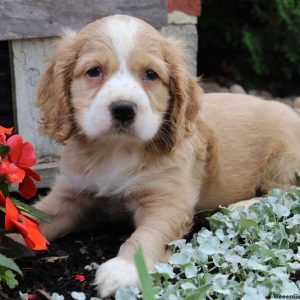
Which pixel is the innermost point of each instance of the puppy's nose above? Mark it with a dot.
(123, 111)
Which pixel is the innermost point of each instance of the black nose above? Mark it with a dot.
(123, 112)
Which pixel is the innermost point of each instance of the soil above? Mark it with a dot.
(54, 270)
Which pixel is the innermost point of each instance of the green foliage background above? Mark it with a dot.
(253, 42)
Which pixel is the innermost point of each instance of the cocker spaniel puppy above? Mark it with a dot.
(140, 136)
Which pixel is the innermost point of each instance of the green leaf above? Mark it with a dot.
(280, 210)
(128, 293)
(78, 296)
(277, 193)
(254, 264)
(13, 249)
(4, 149)
(245, 223)
(200, 293)
(148, 293)
(32, 211)
(294, 265)
(10, 279)
(165, 269)
(9, 264)
(56, 296)
(187, 286)
(190, 271)
(23, 296)
(179, 258)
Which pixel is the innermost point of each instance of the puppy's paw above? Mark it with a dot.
(113, 274)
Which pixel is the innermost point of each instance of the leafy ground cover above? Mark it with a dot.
(242, 254)
(246, 254)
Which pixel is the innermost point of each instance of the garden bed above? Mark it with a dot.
(245, 253)
(55, 270)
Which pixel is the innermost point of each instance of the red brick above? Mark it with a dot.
(190, 7)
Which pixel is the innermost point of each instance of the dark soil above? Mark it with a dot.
(54, 270)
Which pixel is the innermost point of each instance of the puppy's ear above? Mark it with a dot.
(53, 91)
(185, 95)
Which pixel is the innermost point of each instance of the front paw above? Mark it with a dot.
(114, 274)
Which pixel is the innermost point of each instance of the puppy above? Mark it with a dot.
(140, 136)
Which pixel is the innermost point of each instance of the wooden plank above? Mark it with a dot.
(45, 18)
(48, 172)
(28, 57)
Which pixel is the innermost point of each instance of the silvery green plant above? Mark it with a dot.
(247, 254)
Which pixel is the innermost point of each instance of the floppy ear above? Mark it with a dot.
(53, 91)
(185, 96)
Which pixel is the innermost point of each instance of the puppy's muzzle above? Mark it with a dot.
(123, 112)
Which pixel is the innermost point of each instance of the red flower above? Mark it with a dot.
(16, 166)
(11, 171)
(26, 226)
(2, 199)
(3, 132)
(80, 277)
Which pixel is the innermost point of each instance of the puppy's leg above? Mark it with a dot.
(64, 208)
(281, 171)
(158, 221)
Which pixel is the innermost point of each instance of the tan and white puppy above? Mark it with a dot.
(119, 97)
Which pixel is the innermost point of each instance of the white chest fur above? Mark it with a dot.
(107, 172)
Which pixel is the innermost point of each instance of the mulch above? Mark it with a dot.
(55, 270)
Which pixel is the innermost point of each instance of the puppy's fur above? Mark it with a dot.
(175, 158)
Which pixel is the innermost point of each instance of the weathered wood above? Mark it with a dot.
(188, 34)
(45, 18)
(48, 172)
(28, 57)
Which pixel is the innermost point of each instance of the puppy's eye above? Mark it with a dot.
(95, 72)
(150, 75)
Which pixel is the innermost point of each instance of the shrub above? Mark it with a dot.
(254, 43)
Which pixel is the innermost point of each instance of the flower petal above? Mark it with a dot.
(27, 187)
(36, 176)
(80, 277)
(4, 130)
(33, 237)
(12, 172)
(2, 199)
(27, 156)
(15, 142)
(11, 214)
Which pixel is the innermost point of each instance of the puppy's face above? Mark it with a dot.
(120, 80)
(118, 77)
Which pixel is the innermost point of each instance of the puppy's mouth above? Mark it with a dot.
(126, 129)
